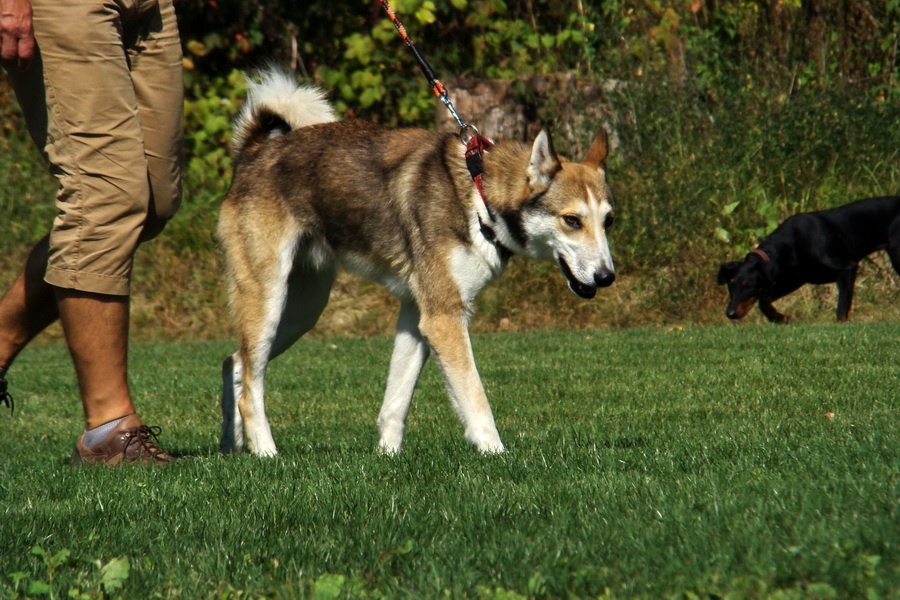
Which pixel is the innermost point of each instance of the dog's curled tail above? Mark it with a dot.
(276, 104)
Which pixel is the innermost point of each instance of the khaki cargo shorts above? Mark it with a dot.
(104, 101)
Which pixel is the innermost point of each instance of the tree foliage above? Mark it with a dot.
(352, 46)
(713, 47)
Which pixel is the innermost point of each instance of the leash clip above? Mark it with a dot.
(467, 132)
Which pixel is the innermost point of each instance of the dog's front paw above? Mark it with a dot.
(264, 451)
(493, 448)
(259, 439)
(388, 449)
(391, 439)
(486, 441)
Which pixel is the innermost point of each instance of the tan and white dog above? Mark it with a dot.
(311, 193)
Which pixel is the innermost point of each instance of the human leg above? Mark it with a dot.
(96, 150)
(27, 308)
(95, 144)
(81, 112)
(96, 328)
(156, 72)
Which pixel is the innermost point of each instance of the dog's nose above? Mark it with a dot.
(604, 278)
(732, 313)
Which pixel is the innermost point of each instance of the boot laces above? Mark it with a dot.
(147, 438)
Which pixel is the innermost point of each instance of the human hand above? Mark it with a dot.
(16, 33)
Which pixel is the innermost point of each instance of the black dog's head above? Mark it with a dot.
(747, 281)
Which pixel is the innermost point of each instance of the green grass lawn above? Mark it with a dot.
(755, 460)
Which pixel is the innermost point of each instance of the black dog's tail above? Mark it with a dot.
(276, 104)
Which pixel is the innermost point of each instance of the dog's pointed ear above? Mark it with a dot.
(543, 164)
(727, 271)
(597, 153)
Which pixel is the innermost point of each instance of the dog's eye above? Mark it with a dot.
(608, 222)
(572, 221)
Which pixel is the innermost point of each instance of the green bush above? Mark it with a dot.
(26, 189)
(209, 112)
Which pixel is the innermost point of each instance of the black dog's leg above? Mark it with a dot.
(894, 255)
(780, 291)
(845, 282)
(893, 248)
(765, 305)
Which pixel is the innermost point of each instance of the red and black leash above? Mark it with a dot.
(476, 144)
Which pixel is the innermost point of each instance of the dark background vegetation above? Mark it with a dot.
(728, 115)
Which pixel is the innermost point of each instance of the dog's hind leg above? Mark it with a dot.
(846, 279)
(307, 295)
(258, 295)
(232, 425)
(408, 358)
(304, 298)
(893, 247)
(260, 245)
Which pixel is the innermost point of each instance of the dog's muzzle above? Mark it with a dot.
(738, 310)
(602, 278)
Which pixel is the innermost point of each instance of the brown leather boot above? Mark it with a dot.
(130, 442)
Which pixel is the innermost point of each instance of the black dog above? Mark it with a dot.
(817, 247)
